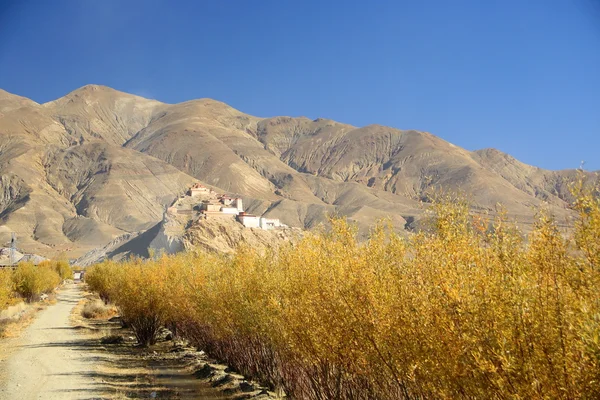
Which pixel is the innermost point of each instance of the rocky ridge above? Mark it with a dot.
(98, 164)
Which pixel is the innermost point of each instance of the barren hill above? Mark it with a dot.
(97, 163)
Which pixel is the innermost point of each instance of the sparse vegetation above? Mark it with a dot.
(467, 310)
(96, 309)
(112, 339)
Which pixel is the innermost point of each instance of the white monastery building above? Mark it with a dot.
(223, 206)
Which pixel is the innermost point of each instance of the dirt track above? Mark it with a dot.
(50, 360)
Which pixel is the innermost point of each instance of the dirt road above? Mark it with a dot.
(50, 359)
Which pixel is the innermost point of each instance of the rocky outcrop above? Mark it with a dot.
(13, 193)
(226, 235)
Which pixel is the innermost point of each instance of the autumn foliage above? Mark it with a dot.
(29, 281)
(469, 309)
(6, 287)
(62, 268)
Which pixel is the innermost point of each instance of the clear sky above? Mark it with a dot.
(522, 76)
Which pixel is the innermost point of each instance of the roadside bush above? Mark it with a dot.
(63, 269)
(100, 278)
(31, 281)
(587, 234)
(6, 287)
(469, 309)
(141, 298)
(141, 291)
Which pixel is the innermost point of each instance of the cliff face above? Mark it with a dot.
(225, 235)
(98, 164)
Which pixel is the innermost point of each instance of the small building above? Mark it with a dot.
(217, 214)
(269, 223)
(226, 200)
(33, 258)
(238, 204)
(210, 206)
(230, 210)
(249, 220)
(198, 190)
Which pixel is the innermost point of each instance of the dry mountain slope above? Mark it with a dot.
(550, 186)
(406, 163)
(96, 113)
(300, 160)
(97, 163)
(68, 189)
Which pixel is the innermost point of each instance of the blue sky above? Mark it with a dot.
(522, 76)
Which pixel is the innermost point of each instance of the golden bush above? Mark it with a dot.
(6, 287)
(469, 309)
(587, 234)
(63, 269)
(142, 298)
(100, 278)
(60, 266)
(30, 281)
(144, 292)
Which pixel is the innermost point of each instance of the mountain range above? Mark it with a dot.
(96, 164)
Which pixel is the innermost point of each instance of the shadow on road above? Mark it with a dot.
(125, 370)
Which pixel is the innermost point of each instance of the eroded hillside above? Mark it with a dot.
(98, 164)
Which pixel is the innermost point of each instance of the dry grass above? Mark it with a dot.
(16, 318)
(95, 309)
(18, 315)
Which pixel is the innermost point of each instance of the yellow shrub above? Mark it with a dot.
(31, 281)
(101, 278)
(6, 287)
(587, 234)
(63, 269)
(465, 310)
(142, 297)
(143, 292)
